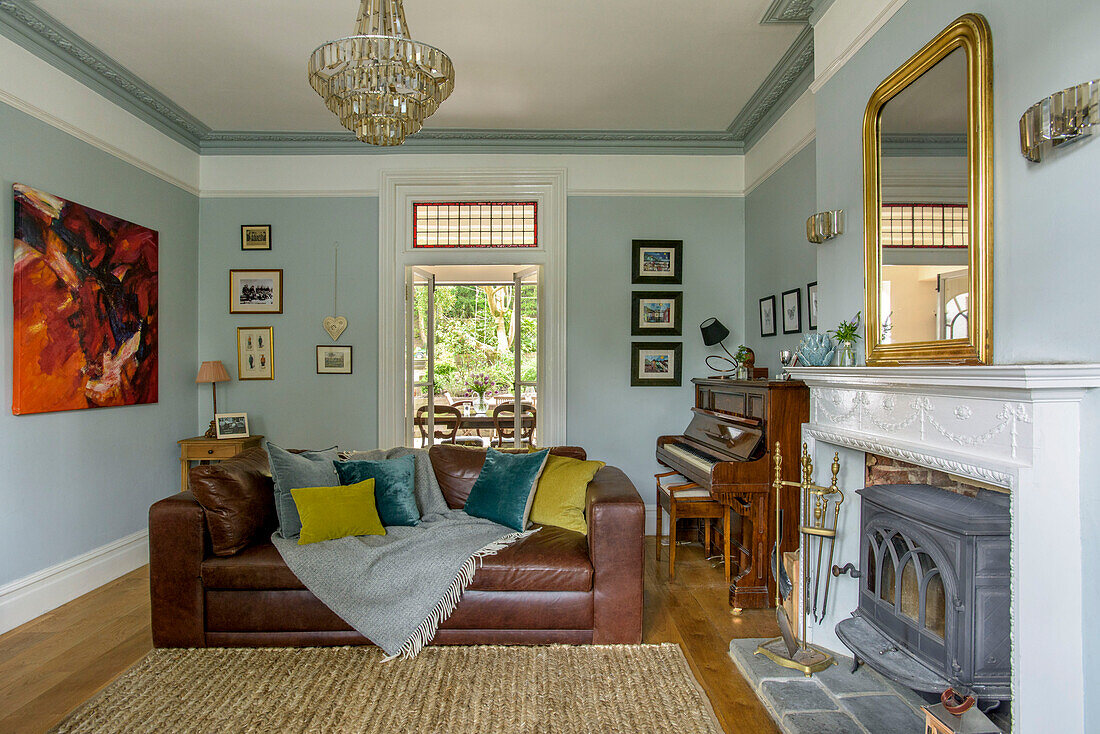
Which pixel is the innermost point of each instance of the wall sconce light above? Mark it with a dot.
(1061, 118)
(824, 226)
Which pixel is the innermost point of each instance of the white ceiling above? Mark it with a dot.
(655, 65)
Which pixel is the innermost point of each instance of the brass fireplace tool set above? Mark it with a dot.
(818, 527)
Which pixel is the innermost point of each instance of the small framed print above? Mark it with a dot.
(767, 316)
(255, 291)
(811, 306)
(231, 425)
(657, 262)
(255, 236)
(255, 353)
(656, 313)
(655, 364)
(792, 311)
(333, 360)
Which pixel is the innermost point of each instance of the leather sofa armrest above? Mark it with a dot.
(178, 542)
(616, 536)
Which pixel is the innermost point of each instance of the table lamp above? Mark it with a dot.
(212, 372)
(714, 332)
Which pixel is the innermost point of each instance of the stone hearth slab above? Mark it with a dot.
(819, 722)
(797, 695)
(888, 713)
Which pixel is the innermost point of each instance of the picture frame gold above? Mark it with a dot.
(245, 295)
(255, 353)
(971, 33)
(255, 236)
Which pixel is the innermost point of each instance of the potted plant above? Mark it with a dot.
(741, 357)
(846, 334)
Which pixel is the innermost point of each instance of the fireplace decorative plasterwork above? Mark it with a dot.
(1015, 427)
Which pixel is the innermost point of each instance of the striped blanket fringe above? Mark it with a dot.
(424, 633)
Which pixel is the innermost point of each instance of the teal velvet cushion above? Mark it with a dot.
(393, 487)
(505, 487)
(294, 471)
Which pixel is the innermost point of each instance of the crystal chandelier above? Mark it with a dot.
(379, 82)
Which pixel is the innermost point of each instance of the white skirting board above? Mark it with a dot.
(31, 596)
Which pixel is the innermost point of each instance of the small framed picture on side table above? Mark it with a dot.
(231, 425)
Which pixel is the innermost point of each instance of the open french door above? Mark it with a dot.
(521, 386)
(420, 355)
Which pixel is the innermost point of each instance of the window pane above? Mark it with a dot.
(475, 224)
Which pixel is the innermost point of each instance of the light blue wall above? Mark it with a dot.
(73, 481)
(298, 408)
(615, 422)
(1046, 265)
(777, 256)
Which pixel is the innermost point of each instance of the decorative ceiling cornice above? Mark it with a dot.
(46, 37)
(789, 11)
(49, 39)
(781, 80)
(455, 140)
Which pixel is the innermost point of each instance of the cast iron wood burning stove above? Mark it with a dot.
(934, 590)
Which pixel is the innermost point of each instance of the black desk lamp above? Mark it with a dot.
(714, 331)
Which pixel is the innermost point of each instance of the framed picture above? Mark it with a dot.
(333, 360)
(792, 311)
(811, 306)
(255, 236)
(655, 364)
(231, 425)
(767, 316)
(657, 262)
(656, 313)
(255, 353)
(85, 322)
(255, 291)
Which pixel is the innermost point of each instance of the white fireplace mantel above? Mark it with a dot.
(1014, 427)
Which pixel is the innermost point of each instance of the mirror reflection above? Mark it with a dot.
(924, 276)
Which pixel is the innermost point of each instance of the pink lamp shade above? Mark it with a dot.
(212, 372)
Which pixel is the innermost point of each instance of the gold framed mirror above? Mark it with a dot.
(928, 196)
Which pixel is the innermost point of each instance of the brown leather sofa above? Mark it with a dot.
(555, 586)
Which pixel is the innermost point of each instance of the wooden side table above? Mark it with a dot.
(201, 448)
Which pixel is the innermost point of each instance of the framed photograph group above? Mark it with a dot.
(333, 359)
(791, 303)
(256, 291)
(656, 364)
(657, 262)
(656, 313)
(255, 353)
(767, 316)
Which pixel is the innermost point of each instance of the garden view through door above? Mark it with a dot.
(472, 355)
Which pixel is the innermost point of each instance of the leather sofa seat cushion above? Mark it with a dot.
(238, 497)
(457, 468)
(553, 559)
(256, 567)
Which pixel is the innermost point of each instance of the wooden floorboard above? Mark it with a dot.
(54, 663)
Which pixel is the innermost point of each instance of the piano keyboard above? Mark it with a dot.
(695, 457)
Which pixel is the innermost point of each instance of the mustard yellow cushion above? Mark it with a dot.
(559, 497)
(329, 513)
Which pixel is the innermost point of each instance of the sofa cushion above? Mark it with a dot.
(457, 468)
(560, 495)
(393, 487)
(331, 513)
(505, 487)
(293, 470)
(552, 559)
(256, 567)
(238, 499)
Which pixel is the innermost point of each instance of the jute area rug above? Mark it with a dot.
(556, 688)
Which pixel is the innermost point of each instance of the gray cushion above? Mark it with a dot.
(294, 471)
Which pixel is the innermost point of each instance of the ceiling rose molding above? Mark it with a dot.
(780, 84)
(789, 11)
(454, 140)
(49, 39)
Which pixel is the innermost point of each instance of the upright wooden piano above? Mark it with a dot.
(727, 448)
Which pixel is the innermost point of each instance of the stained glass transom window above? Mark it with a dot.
(925, 225)
(475, 224)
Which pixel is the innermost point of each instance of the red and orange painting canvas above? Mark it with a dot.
(85, 296)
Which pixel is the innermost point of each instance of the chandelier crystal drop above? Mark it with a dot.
(379, 82)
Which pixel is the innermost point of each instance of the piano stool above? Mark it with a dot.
(683, 499)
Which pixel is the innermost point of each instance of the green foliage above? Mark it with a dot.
(847, 331)
(741, 354)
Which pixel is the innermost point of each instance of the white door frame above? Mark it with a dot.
(398, 191)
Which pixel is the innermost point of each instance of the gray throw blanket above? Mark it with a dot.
(396, 589)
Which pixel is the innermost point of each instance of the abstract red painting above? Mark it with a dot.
(85, 297)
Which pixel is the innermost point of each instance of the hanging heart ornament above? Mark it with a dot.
(335, 326)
